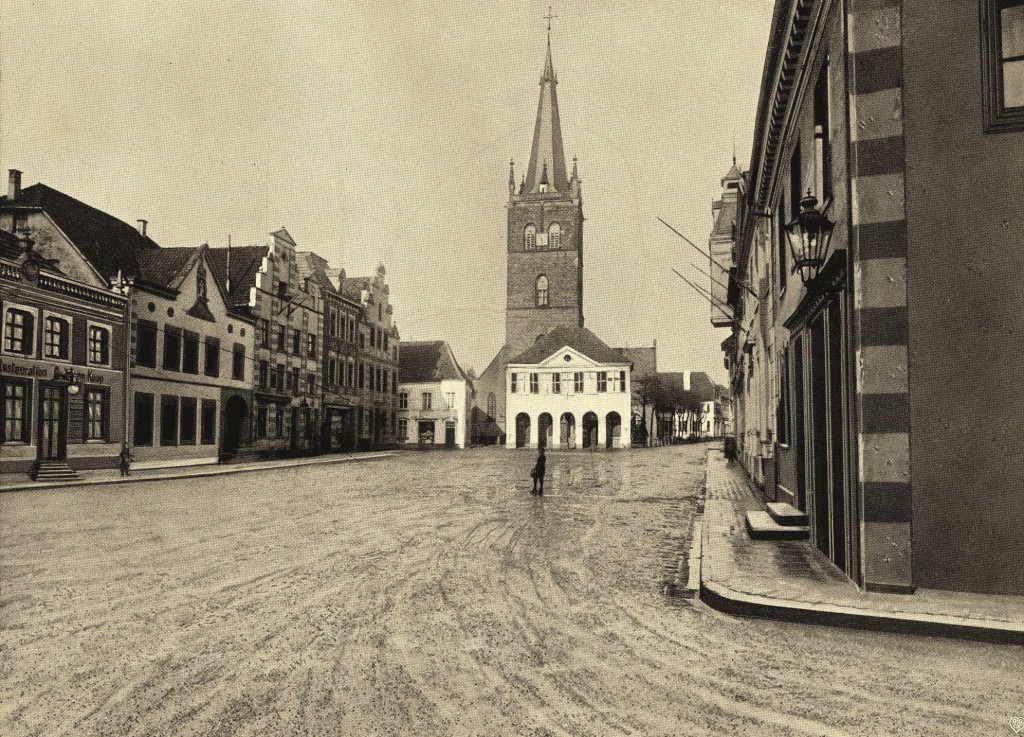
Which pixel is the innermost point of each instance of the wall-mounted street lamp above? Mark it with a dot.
(809, 236)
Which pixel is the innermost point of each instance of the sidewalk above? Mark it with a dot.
(21, 482)
(791, 580)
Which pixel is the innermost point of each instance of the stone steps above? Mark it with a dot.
(786, 514)
(54, 472)
(761, 526)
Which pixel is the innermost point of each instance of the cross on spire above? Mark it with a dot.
(549, 16)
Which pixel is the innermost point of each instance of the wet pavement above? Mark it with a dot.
(430, 594)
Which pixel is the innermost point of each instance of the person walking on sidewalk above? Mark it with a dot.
(538, 475)
(126, 458)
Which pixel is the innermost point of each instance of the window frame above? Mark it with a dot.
(542, 296)
(190, 352)
(238, 361)
(31, 341)
(554, 235)
(26, 386)
(211, 347)
(104, 420)
(171, 332)
(149, 399)
(579, 385)
(530, 237)
(205, 406)
(427, 400)
(168, 401)
(65, 336)
(188, 409)
(997, 118)
(102, 327)
(150, 329)
(556, 383)
(403, 400)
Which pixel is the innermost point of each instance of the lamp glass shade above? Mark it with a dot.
(809, 236)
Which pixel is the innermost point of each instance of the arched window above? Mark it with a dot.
(554, 235)
(530, 237)
(492, 406)
(542, 291)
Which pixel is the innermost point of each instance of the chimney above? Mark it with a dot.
(142, 225)
(13, 184)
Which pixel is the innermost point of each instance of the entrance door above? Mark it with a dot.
(827, 473)
(449, 434)
(52, 423)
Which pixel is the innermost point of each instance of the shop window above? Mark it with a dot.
(19, 332)
(168, 420)
(238, 362)
(99, 345)
(56, 338)
(212, 363)
(143, 418)
(190, 353)
(97, 414)
(145, 346)
(1003, 64)
(172, 349)
(14, 410)
(188, 421)
(208, 431)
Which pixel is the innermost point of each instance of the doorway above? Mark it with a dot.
(236, 412)
(52, 423)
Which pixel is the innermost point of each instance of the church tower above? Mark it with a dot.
(545, 232)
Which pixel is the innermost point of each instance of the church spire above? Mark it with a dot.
(547, 133)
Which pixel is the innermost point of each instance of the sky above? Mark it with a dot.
(381, 132)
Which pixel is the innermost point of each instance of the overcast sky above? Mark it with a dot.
(382, 131)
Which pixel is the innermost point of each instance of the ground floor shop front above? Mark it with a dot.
(59, 413)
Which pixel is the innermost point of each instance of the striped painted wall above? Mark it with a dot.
(879, 262)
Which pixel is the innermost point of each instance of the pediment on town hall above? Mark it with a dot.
(569, 348)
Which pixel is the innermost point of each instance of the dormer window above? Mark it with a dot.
(530, 237)
(554, 235)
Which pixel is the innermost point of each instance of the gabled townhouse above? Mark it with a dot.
(435, 396)
(65, 345)
(191, 376)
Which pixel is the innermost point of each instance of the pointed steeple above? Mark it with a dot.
(547, 135)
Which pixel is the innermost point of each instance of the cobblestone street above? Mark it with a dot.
(430, 594)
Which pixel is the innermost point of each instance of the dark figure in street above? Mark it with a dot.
(538, 475)
(126, 458)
